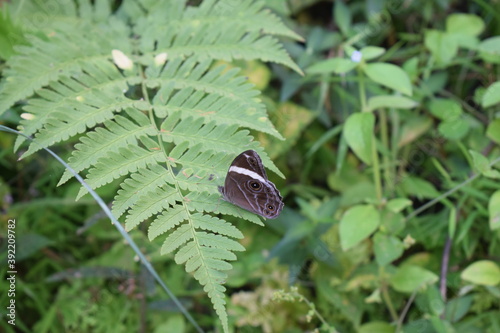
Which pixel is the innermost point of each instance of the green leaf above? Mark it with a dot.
(458, 307)
(464, 24)
(413, 129)
(443, 46)
(333, 65)
(371, 52)
(418, 187)
(489, 50)
(491, 95)
(387, 248)
(454, 129)
(480, 162)
(390, 76)
(410, 278)
(494, 210)
(445, 109)
(398, 204)
(357, 224)
(377, 327)
(392, 223)
(442, 326)
(342, 16)
(493, 131)
(483, 272)
(358, 132)
(389, 101)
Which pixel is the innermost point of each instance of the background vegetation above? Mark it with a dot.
(392, 134)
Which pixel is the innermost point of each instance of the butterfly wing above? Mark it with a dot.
(247, 186)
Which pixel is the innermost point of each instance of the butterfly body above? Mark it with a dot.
(247, 186)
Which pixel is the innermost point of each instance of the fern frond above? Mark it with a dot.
(114, 134)
(220, 29)
(205, 202)
(117, 164)
(188, 87)
(206, 254)
(60, 55)
(137, 185)
(151, 203)
(168, 131)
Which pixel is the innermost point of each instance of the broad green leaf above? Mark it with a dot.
(342, 16)
(457, 308)
(398, 204)
(376, 327)
(445, 109)
(387, 248)
(489, 50)
(357, 224)
(356, 193)
(174, 323)
(431, 301)
(333, 65)
(358, 132)
(391, 222)
(389, 75)
(371, 52)
(494, 210)
(481, 163)
(443, 46)
(493, 131)
(398, 102)
(492, 95)
(441, 326)
(411, 67)
(409, 278)
(419, 187)
(483, 272)
(454, 129)
(464, 24)
(495, 174)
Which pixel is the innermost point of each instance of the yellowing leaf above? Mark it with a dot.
(483, 272)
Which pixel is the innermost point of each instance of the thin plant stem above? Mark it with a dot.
(376, 170)
(388, 301)
(446, 194)
(405, 311)
(384, 136)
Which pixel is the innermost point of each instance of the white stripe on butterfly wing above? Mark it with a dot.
(248, 173)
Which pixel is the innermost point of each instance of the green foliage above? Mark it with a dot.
(153, 112)
(391, 156)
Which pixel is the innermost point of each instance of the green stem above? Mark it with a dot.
(384, 135)
(362, 94)
(446, 194)
(388, 301)
(376, 170)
